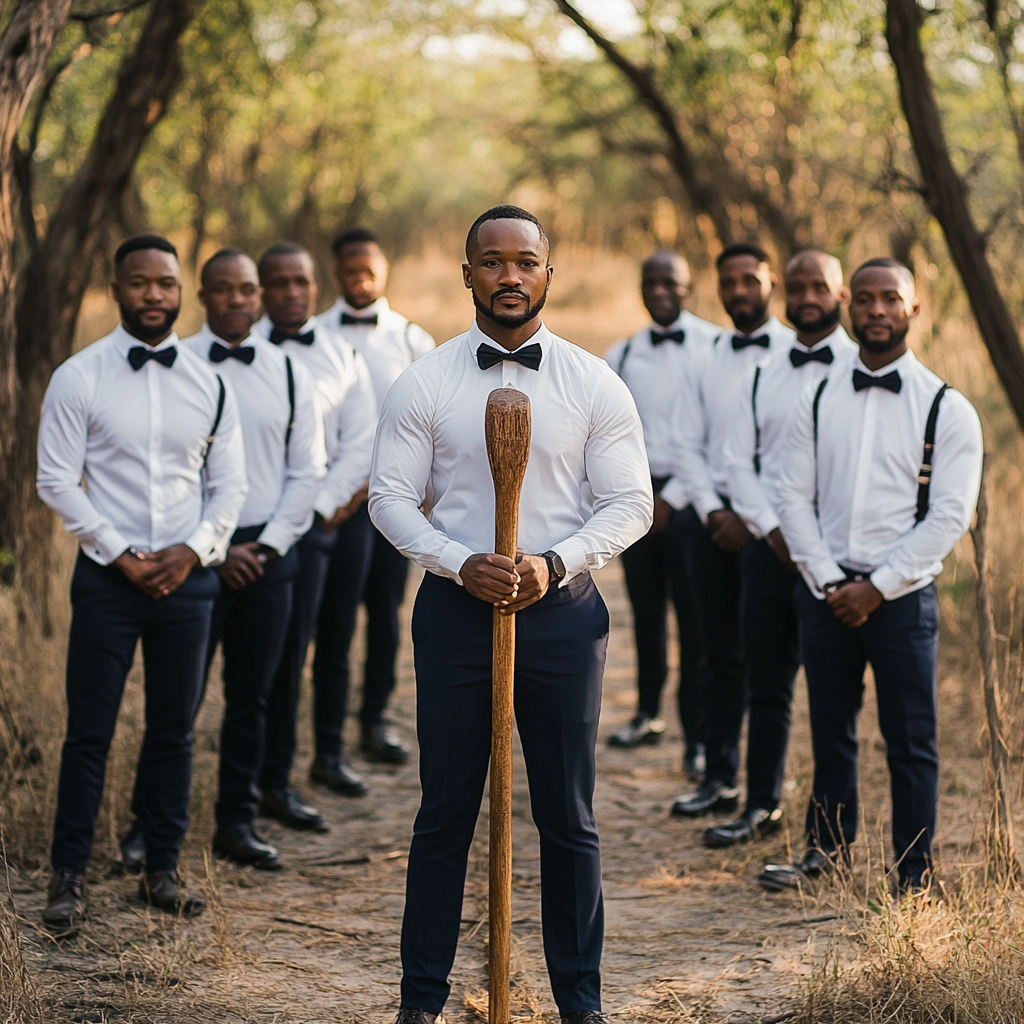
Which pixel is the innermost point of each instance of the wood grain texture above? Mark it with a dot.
(507, 429)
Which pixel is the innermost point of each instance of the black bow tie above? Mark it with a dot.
(799, 357)
(657, 337)
(891, 381)
(359, 321)
(277, 336)
(243, 353)
(741, 341)
(139, 355)
(486, 356)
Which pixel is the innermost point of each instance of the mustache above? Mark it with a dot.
(509, 291)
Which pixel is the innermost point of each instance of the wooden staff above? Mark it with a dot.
(507, 429)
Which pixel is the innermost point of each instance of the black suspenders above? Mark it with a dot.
(924, 477)
(757, 426)
(291, 406)
(216, 420)
(622, 358)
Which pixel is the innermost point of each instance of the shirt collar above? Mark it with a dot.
(264, 326)
(837, 338)
(377, 308)
(679, 324)
(207, 335)
(905, 364)
(123, 341)
(771, 327)
(476, 337)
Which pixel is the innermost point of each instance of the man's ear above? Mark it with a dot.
(467, 275)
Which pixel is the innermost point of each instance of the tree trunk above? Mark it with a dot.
(58, 273)
(24, 50)
(946, 196)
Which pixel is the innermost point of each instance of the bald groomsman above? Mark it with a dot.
(364, 566)
(285, 461)
(879, 481)
(815, 296)
(652, 363)
(141, 455)
(706, 412)
(349, 410)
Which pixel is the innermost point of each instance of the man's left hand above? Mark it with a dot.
(349, 510)
(533, 582)
(853, 603)
(662, 515)
(173, 566)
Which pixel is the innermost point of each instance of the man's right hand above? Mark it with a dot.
(242, 566)
(491, 578)
(728, 531)
(139, 568)
(781, 550)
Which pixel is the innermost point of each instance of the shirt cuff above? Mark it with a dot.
(766, 521)
(279, 537)
(674, 493)
(452, 559)
(887, 582)
(105, 545)
(825, 570)
(574, 558)
(707, 503)
(206, 543)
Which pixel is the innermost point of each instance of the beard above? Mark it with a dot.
(880, 348)
(147, 332)
(510, 320)
(744, 320)
(822, 322)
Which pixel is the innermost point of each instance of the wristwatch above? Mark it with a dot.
(833, 585)
(556, 567)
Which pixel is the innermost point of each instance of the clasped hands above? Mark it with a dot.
(158, 573)
(509, 586)
(853, 602)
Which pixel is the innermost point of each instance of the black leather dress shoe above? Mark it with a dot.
(133, 851)
(379, 743)
(779, 877)
(65, 904)
(754, 823)
(162, 889)
(332, 772)
(238, 842)
(584, 1017)
(640, 729)
(711, 795)
(286, 806)
(410, 1015)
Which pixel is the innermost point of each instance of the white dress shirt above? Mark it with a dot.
(870, 447)
(705, 408)
(587, 489)
(653, 374)
(760, 421)
(282, 486)
(387, 348)
(347, 405)
(121, 452)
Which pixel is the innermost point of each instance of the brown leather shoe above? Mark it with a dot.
(65, 904)
(160, 889)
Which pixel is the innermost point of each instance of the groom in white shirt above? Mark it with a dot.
(586, 496)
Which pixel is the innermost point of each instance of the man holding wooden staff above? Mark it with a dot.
(586, 496)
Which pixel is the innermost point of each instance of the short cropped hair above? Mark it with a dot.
(355, 236)
(742, 249)
(139, 242)
(885, 261)
(506, 212)
(280, 249)
(220, 254)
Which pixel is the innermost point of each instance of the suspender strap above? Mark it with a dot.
(757, 426)
(291, 406)
(216, 420)
(622, 358)
(924, 478)
(814, 415)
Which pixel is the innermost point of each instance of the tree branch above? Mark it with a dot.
(87, 16)
(946, 195)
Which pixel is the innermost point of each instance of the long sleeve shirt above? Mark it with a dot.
(587, 490)
(865, 469)
(124, 454)
(283, 482)
(348, 407)
(388, 346)
(756, 441)
(654, 373)
(706, 405)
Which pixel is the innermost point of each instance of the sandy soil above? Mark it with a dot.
(688, 932)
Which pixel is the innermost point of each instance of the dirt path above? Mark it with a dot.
(687, 930)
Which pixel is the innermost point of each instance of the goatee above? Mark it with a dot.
(822, 322)
(744, 321)
(510, 320)
(147, 332)
(880, 348)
